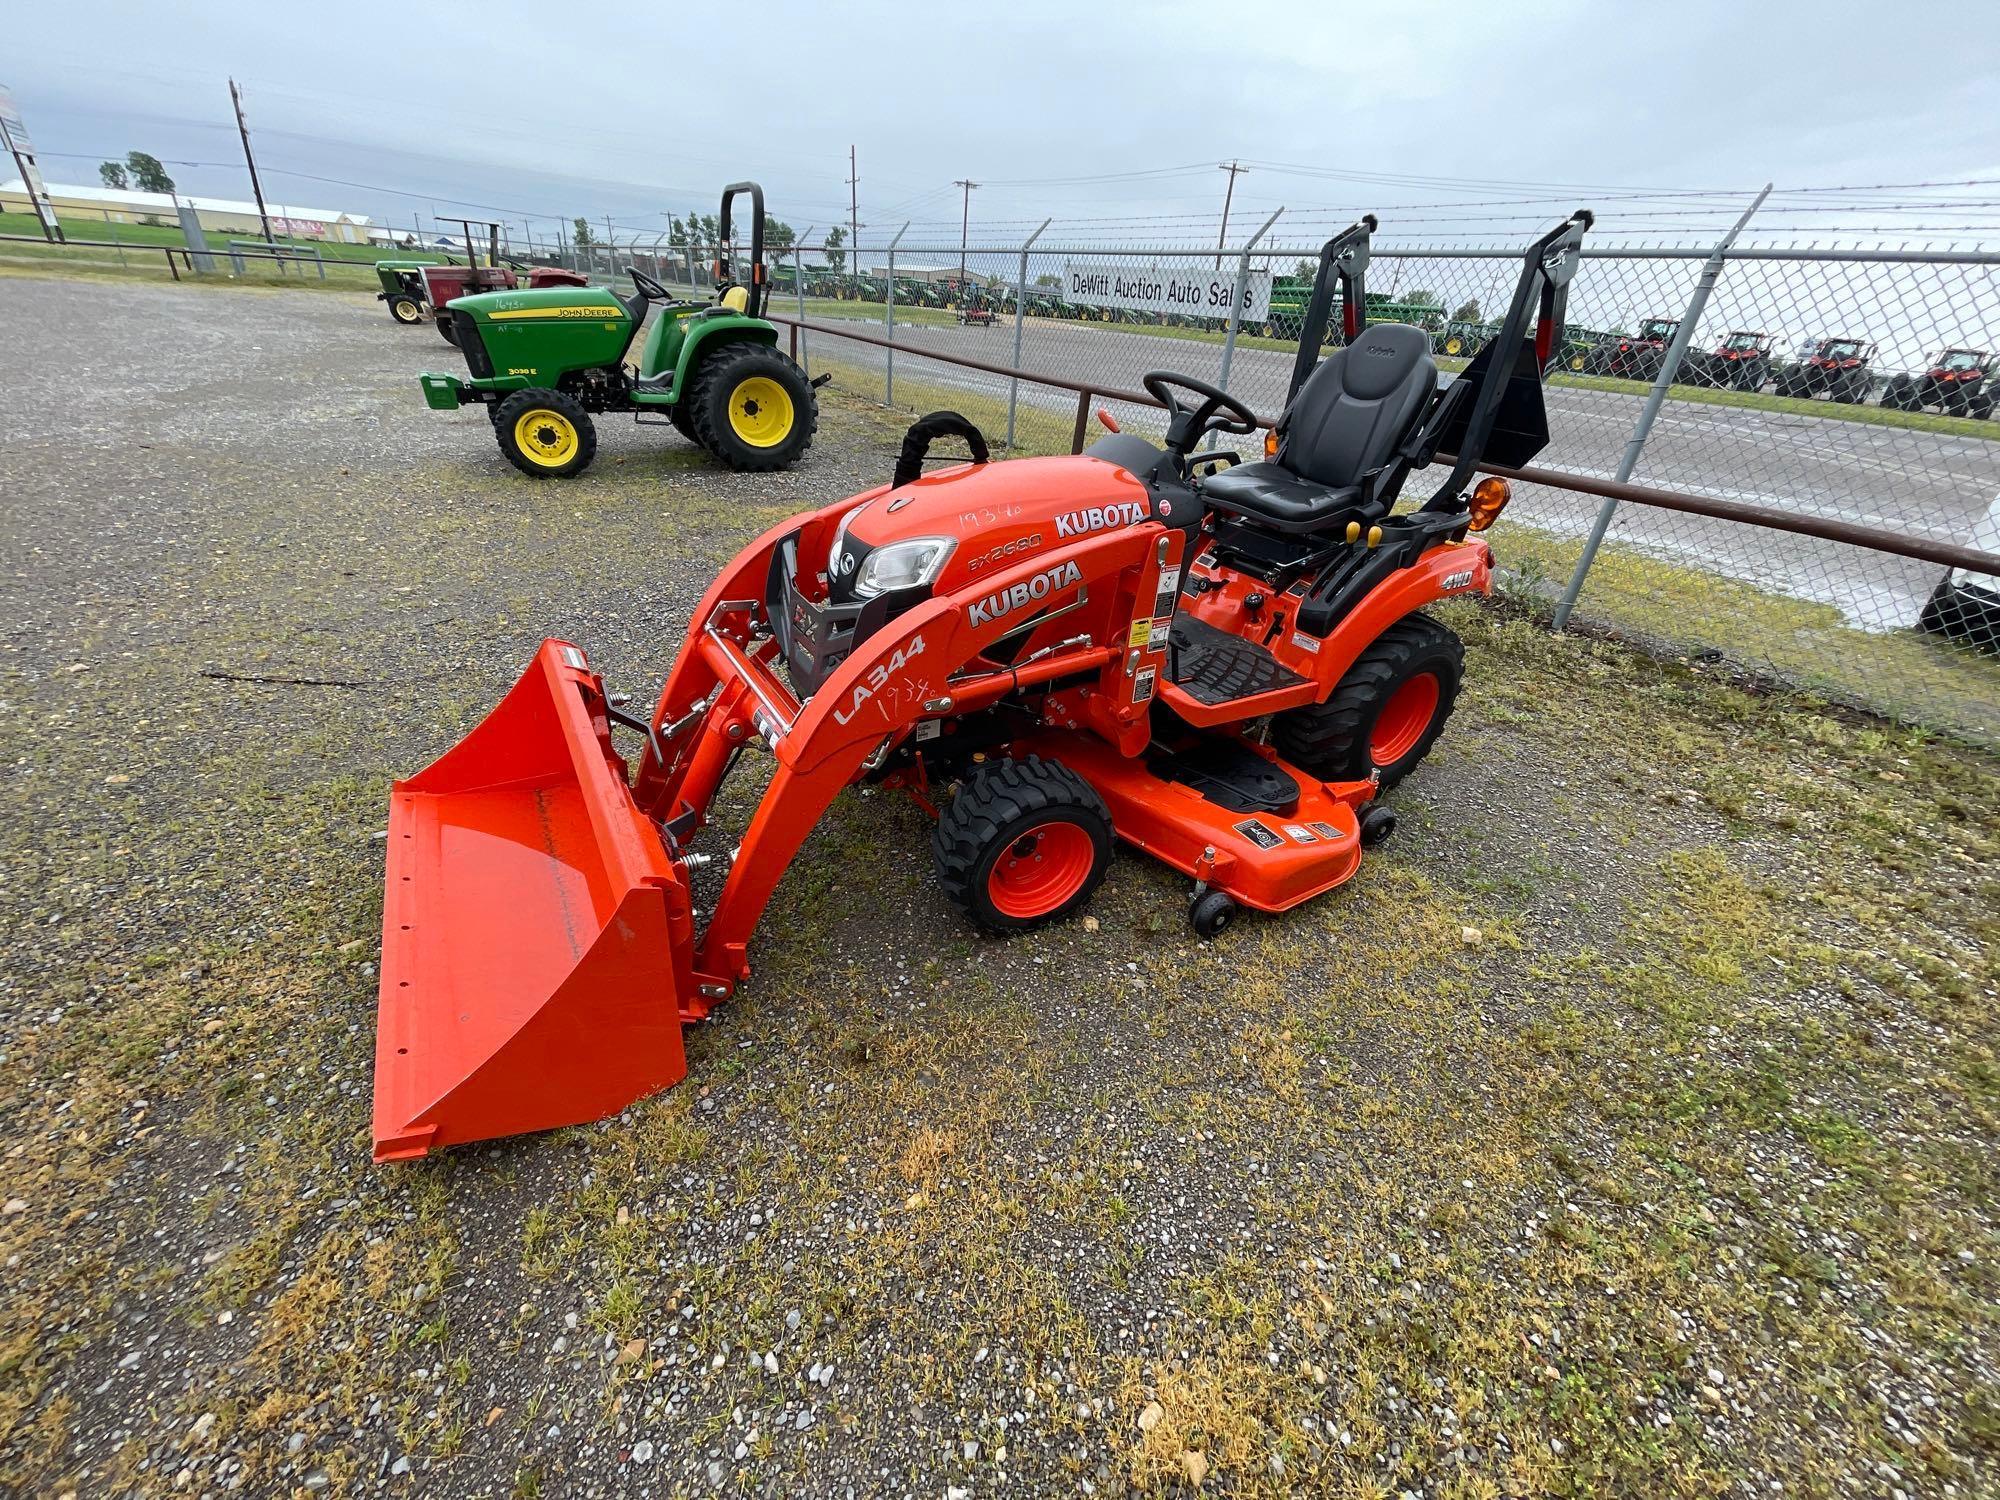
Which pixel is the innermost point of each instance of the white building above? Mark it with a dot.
(224, 216)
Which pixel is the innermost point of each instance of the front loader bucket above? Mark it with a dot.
(534, 929)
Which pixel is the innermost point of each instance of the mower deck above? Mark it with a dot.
(1267, 860)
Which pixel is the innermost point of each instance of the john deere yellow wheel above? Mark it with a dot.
(545, 433)
(760, 411)
(1577, 361)
(1454, 346)
(405, 310)
(753, 408)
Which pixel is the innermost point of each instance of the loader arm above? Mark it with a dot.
(726, 691)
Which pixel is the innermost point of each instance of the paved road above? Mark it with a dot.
(1929, 483)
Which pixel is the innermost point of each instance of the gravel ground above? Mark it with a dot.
(1626, 1126)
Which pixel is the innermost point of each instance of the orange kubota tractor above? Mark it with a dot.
(1225, 669)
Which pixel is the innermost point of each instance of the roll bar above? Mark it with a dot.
(1546, 269)
(755, 307)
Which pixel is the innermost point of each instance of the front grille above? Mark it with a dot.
(470, 343)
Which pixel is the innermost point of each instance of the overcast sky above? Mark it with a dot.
(539, 112)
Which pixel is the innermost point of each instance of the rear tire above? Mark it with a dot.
(448, 330)
(546, 434)
(1381, 717)
(753, 408)
(405, 310)
(1024, 843)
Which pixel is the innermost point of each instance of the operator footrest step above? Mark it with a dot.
(1228, 773)
(1214, 667)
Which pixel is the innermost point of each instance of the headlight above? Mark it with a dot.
(903, 565)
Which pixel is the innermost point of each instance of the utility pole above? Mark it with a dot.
(964, 223)
(256, 187)
(853, 209)
(1232, 168)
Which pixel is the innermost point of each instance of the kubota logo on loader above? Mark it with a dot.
(1036, 589)
(1097, 517)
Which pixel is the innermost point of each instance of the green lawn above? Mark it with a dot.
(170, 234)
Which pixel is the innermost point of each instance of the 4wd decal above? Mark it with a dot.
(1455, 580)
(1021, 595)
(877, 678)
(1097, 517)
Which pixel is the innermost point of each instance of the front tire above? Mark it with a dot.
(753, 408)
(1386, 713)
(1023, 844)
(546, 434)
(448, 330)
(405, 310)
(1209, 913)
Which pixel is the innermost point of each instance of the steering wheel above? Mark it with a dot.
(1186, 426)
(653, 290)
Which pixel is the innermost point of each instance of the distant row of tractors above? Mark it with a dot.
(1960, 382)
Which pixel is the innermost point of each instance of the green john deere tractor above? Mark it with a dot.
(402, 288)
(543, 361)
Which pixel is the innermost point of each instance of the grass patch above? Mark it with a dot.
(1904, 673)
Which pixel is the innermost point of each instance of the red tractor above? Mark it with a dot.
(1635, 356)
(1957, 384)
(1834, 368)
(1225, 668)
(1741, 362)
(440, 285)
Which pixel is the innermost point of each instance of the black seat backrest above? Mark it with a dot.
(1358, 405)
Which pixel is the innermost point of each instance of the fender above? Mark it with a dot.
(706, 333)
(1443, 572)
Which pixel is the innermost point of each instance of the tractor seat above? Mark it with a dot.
(1347, 421)
(736, 299)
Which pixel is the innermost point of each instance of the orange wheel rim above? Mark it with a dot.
(1403, 720)
(1040, 870)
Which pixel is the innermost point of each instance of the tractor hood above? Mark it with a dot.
(561, 304)
(981, 516)
(834, 583)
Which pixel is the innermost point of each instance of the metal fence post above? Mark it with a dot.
(889, 364)
(1669, 367)
(1236, 306)
(799, 285)
(1020, 314)
(111, 227)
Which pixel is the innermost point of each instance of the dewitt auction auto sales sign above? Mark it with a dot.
(1194, 294)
